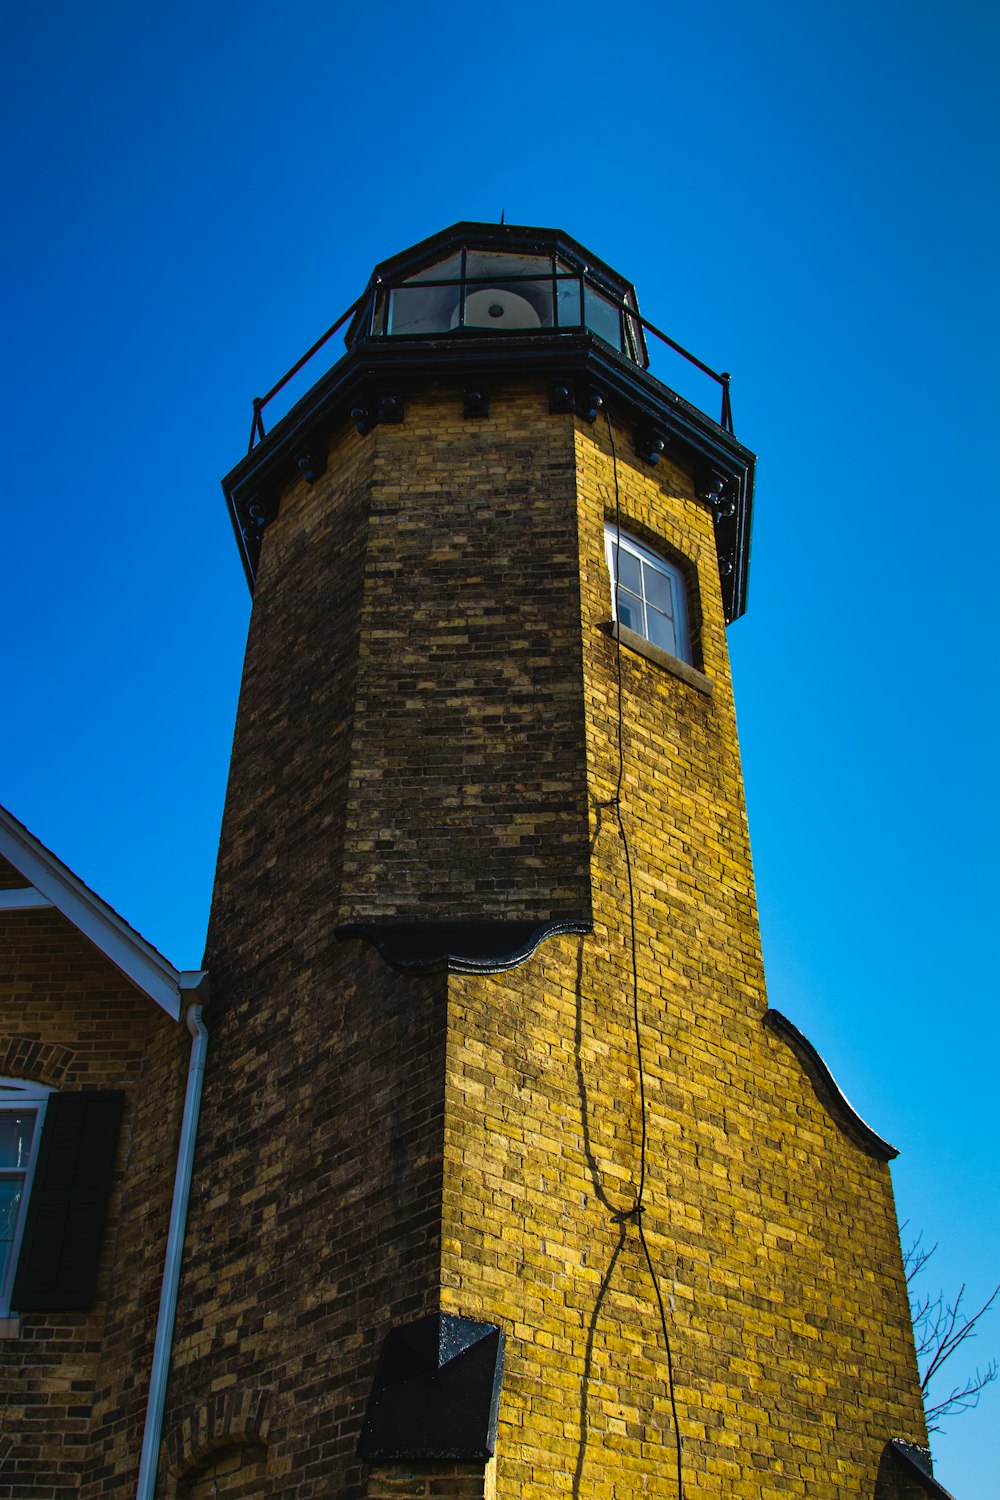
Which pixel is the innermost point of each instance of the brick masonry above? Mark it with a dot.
(772, 1235)
(428, 727)
(73, 1386)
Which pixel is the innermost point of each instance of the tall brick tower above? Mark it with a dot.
(508, 1182)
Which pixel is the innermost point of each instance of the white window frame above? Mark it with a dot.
(21, 1095)
(667, 569)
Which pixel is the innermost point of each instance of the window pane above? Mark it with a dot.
(651, 596)
(10, 1197)
(602, 317)
(661, 631)
(569, 304)
(630, 611)
(16, 1130)
(423, 309)
(657, 589)
(490, 263)
(449, 269)
(629, 570)
(518, 304)
(633, 337)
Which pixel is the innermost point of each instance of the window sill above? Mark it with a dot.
(661, 658)
(10, 1326)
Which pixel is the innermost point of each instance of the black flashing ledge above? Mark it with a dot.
(436, 1393)
(356, 387)
(460, 947)
(840, 1110)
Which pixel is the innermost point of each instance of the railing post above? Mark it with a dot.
(726, 420)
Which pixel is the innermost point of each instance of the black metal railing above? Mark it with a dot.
(375, 305)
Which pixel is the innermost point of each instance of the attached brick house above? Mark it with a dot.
(93, 1059)
(508, 1183)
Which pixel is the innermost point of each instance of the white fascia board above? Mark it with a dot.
(138, 960)
(23, 898)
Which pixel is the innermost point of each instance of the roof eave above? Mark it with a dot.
(274, 463)
(131, 954)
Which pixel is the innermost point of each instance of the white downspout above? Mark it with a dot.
(163, 1345)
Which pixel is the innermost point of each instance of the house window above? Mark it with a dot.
(649, 594)
(22, 1107)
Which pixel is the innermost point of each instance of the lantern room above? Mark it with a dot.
(480, 279)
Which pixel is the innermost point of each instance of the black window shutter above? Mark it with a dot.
(64, 1227)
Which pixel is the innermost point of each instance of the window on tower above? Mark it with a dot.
(648, 594)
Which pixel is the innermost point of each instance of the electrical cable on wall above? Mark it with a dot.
(637, 1210)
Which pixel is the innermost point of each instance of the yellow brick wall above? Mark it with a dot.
(773, 1236)
(466, 795)
(375, 1145)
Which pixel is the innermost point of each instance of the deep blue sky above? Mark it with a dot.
(804, 195)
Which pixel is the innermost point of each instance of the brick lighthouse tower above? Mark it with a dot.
(508, 1183)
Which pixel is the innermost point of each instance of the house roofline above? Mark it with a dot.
(141, 963)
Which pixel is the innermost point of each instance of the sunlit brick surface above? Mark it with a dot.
(428, 727)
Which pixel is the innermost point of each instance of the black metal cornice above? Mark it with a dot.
(837, 1106)
(460, 947)
(375, 375)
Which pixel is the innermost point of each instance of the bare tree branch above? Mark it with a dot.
(940, 1328)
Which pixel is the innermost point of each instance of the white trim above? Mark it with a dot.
(23, 898)
(138, 960)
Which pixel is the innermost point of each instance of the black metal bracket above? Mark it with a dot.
(590, 403)
(571, 367)
(312, 463)
(387, 406)
(476, 400)
(391, 406)
(716, 491)
(362, 418)
(649, 443)
(561, 397)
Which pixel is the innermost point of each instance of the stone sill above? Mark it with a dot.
(10, 1326)
(661, 658)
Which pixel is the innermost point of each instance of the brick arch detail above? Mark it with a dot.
(38, 1062)
(233, 1419)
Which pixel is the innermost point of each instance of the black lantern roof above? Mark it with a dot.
(480, 303)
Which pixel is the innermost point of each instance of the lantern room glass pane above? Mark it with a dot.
(488, 291)
(602, 317)
(487, 264)
(432, 309)
(449, 269)
(517, 304)
(568, 296)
